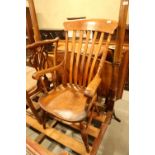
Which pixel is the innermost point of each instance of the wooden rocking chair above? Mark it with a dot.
(74, 100)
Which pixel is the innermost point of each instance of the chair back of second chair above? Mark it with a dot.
(38, 53)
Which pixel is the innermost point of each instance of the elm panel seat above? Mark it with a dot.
(67, 104)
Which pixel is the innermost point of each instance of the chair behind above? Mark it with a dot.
(38, 60)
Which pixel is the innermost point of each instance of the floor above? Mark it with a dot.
(115, 141)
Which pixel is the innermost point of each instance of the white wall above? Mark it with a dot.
(52, 13)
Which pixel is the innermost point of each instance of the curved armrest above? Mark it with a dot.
(40, 73)
(42, 42)
(92, 86)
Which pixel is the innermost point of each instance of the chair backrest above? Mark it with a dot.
(85, 50)
(38, 53)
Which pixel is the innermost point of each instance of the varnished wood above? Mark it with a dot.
(120, 40)
(40, 138)
(30, 104)
(57, 136)
(117, 55)
(29, 30)
(124, 69)
(72, 58)
(77, 58)
(38, 59)
(92, 86)
(107, 70)
(98, 140)
(84, 136)
(73, 102)
(83, 58)
(34, 21)
(96, 132)
(48, 70)
(95, 57)
(65, 59)
(42, 43)
(92, 131)
(68, 104)
(121, 29)
(36, 149)
(87, 67)
(101, 25)
(38, 54)
(104, 55)
(100, 118)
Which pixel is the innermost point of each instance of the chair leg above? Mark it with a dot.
(115, 117)
(34, 111)
(44, 119)
(90, 117)
(84, 136)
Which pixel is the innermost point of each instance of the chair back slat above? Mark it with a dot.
(84, 51)
(90, 52)
(95, 57)
(72, 57)
(65, 58)
(104, 55)
(78, 58)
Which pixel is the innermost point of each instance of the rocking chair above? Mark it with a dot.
(74, 99)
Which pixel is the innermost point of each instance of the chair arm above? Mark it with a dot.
(40, 73)
(92, 86)
(42, 42)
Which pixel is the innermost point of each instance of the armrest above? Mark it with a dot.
(42, 42)
(92, 86)
(40, 73)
